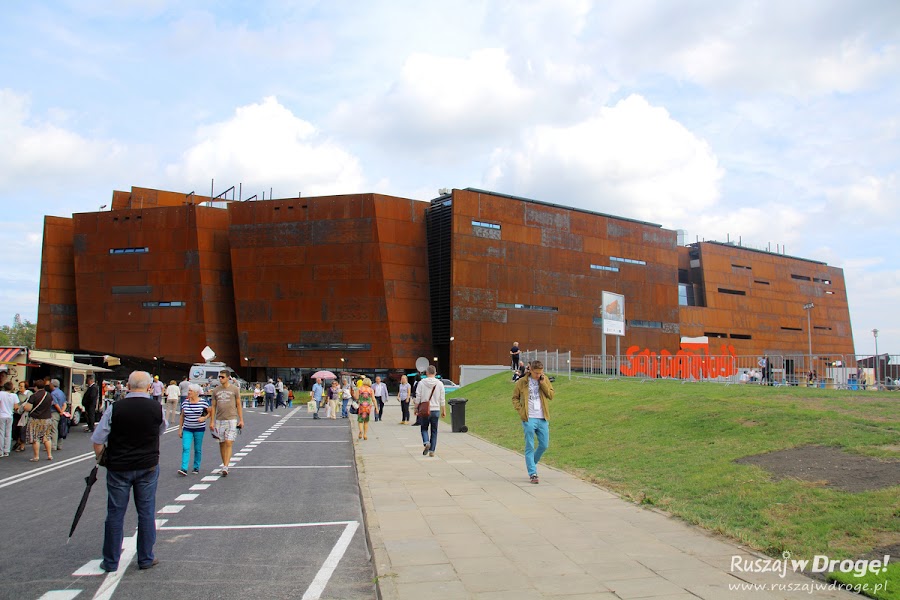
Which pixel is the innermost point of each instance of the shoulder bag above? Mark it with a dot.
(23, 421)
(424, 408)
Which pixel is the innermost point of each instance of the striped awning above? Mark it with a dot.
(7, 354)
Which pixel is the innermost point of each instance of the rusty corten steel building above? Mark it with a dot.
(377, 281)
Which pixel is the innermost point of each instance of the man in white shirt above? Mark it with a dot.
(531, 399)
(381, 395)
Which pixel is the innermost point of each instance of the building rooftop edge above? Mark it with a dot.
(551, 204)
(747, 248)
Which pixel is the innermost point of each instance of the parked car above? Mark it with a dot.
(449, 386)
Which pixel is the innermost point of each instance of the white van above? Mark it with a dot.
(208, 373)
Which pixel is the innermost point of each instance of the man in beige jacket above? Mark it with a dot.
(531, 399)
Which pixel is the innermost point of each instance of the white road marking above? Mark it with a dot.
(241, 454)
(91, 567)
(258, 526)
(210, 478)
(161, 522)
(306, 442)
(315, 589)
(170, 509)
(60, 595)
(199, 487)
(186, 497)
(53, 466)
(296, 467)
(129, 550)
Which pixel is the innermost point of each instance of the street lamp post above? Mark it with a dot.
(808, 308)
(875, 333)
(158, 360)
(249, 360)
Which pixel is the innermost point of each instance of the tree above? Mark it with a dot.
(20, 333)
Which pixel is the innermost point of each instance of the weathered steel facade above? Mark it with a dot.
(57, 325)
(155, 282)
(318, 280)
(378, 280)
(533, 272)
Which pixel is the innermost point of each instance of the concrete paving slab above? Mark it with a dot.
(468, 524)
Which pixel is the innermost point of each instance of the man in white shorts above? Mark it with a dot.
(227, 416)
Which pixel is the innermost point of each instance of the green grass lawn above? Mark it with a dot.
(673, 446)
(887, 583)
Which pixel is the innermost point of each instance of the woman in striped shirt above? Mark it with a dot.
(194, 414)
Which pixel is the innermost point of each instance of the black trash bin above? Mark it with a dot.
(458, 415)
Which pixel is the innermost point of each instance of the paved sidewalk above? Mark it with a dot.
(468, 524)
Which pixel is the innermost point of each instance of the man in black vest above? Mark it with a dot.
(89, 400)
(130, 434)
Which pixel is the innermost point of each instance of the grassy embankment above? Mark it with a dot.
(673, 446)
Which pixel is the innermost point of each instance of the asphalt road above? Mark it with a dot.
(285, 523)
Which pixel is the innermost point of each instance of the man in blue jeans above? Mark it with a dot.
(131, 440)
(531, 399)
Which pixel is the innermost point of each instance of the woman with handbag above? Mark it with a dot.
(18, 423)
(40, 425)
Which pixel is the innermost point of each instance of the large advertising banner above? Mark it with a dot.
(613, 310)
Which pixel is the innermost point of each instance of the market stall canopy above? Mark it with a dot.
(67, 361)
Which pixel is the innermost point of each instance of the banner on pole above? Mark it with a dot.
(613, 311)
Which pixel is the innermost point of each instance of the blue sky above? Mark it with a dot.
(774, 121)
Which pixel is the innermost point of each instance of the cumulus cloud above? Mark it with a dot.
(266, 145)
(42, 154)
(632, 159)
(436, 98)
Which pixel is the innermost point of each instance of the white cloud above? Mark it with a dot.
(870, 198)
(438, 99)
(632, 160)
(265, 145)
(39, 153)
(798, 48)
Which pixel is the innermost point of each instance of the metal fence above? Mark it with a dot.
(854, 372)
(555, 362)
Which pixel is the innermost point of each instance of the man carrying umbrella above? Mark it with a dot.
(131, 440)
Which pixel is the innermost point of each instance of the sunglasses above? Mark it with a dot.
(222, 377)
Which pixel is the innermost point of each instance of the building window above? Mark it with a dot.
(332, 346)
(732, 292)
(131, 289)
(528, 307)
(715, 334)
(761, 282)
(486, 225)
(821, 327)
(603, 268)
(829, 292)
(791, 329)
(800, 277)
(645, 324)
(741, 336)
(686, 295)
(734, 266)
(825, 281)
(630, 261)
(143, 250)
(164, 304)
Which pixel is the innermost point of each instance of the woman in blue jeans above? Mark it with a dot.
(194, 414)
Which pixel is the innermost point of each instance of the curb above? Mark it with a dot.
(385, 588)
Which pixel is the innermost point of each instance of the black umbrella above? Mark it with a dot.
(89, 480)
